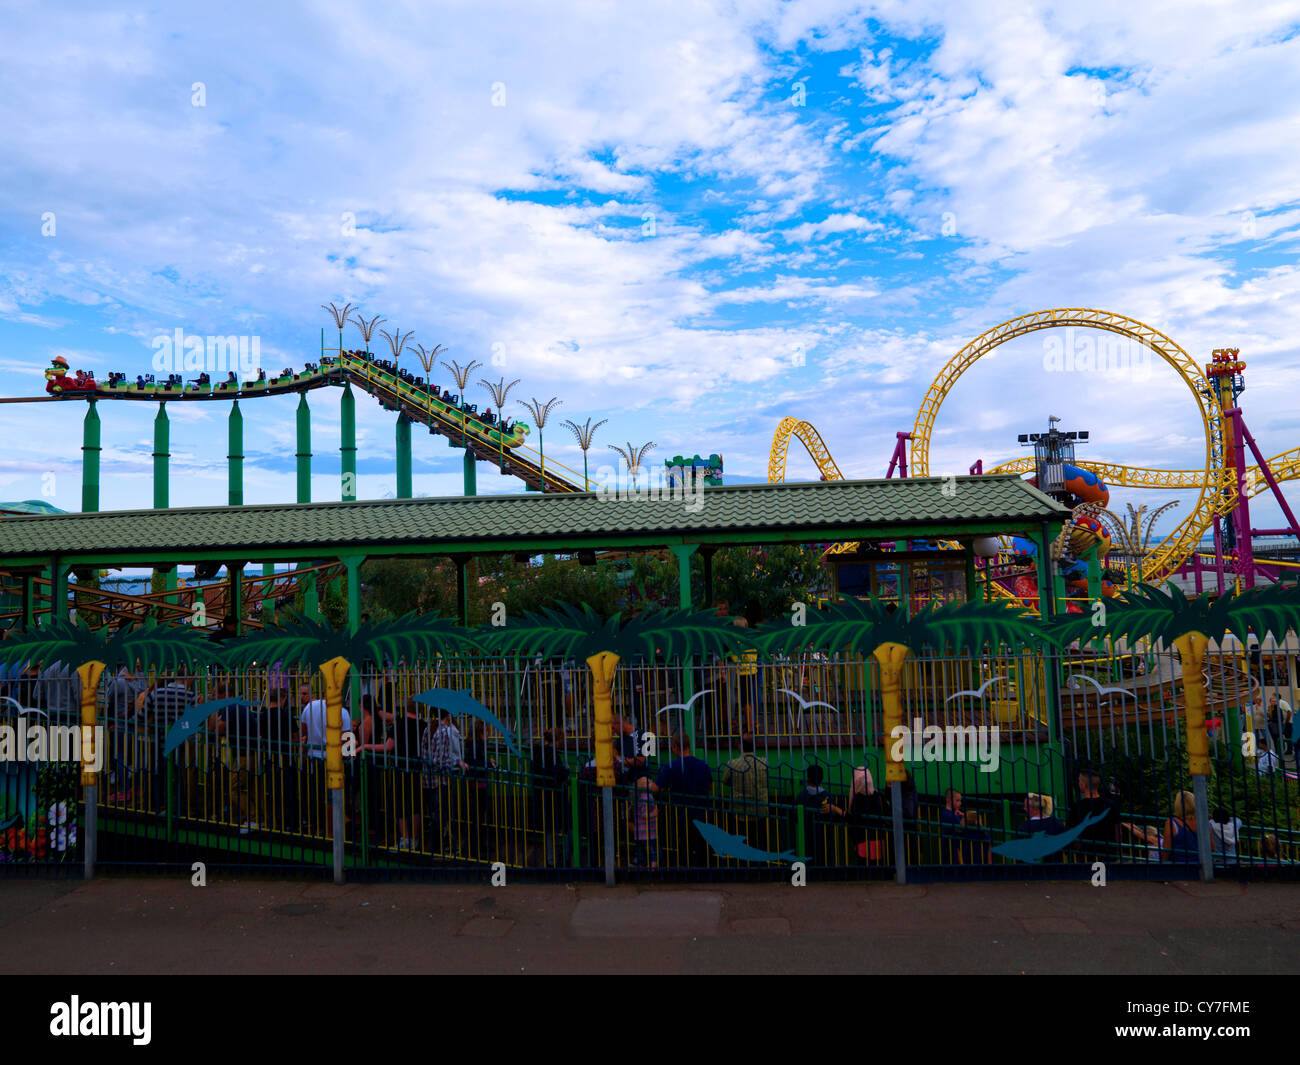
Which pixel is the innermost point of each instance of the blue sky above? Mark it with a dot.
(692, 219)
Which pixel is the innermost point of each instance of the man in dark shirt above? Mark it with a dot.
(1091, 802)
(629, 761)
(687, 780)
(1038, 816)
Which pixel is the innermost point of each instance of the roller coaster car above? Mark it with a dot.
(57, 380)
(230, 384)
(202, 384)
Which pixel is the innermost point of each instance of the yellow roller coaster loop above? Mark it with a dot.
(1217, 487)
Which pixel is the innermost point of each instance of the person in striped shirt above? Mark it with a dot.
(163, 705)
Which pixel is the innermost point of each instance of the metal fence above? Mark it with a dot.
(785, 762)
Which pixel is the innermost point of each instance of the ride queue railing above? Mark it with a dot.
(793, 745)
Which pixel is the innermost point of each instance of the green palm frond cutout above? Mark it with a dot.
(150, 646)
(1273, 609)
(1147, 611)
(309, 642)
(860, 626)
(972, 626)
(576, 632)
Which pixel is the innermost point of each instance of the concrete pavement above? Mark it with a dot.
(165, 925)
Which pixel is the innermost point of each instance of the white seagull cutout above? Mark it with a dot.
(978, 692)
(683, 706)
(1100, 689)
(804, 704)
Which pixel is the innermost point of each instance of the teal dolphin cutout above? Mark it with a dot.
(462, 702)
(1041, 844)
(190, 723)
(725, 845)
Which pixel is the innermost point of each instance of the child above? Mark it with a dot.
(645, 824)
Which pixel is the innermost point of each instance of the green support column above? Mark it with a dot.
(304, 449)
(161, 455)
(462, 591)
(235, 456)
(236, 575)
(683, 552)
(972, 591)
(1045, 578)
(47, 573)
(311, 599)
(162, 480)
(59, 592)
(1094, 574)
(403, 457)
(310, 593)
(471, 473)
(348, 443)
(90, 459)
(268, 601)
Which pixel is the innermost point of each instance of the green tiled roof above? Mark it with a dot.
(807, 511)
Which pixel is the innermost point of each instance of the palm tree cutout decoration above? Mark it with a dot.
(584, 434)
(634, 456)
(95, 650)
(396, 343)
(500, 392)
(1187, 625)
(461, 374)
(332, 652)
(573, 632)
(540, 412)
(367, 328)
(428, 358)
(340, 316)
(890, 636)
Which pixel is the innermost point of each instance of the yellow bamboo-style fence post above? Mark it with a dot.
(890, 657)
(335, 672)
(603, 667)
(1191, 647)
(89, 673)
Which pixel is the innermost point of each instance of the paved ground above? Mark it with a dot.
(118, 925)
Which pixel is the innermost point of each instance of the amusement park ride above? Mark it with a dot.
(1225, 485)
(1085, 564)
